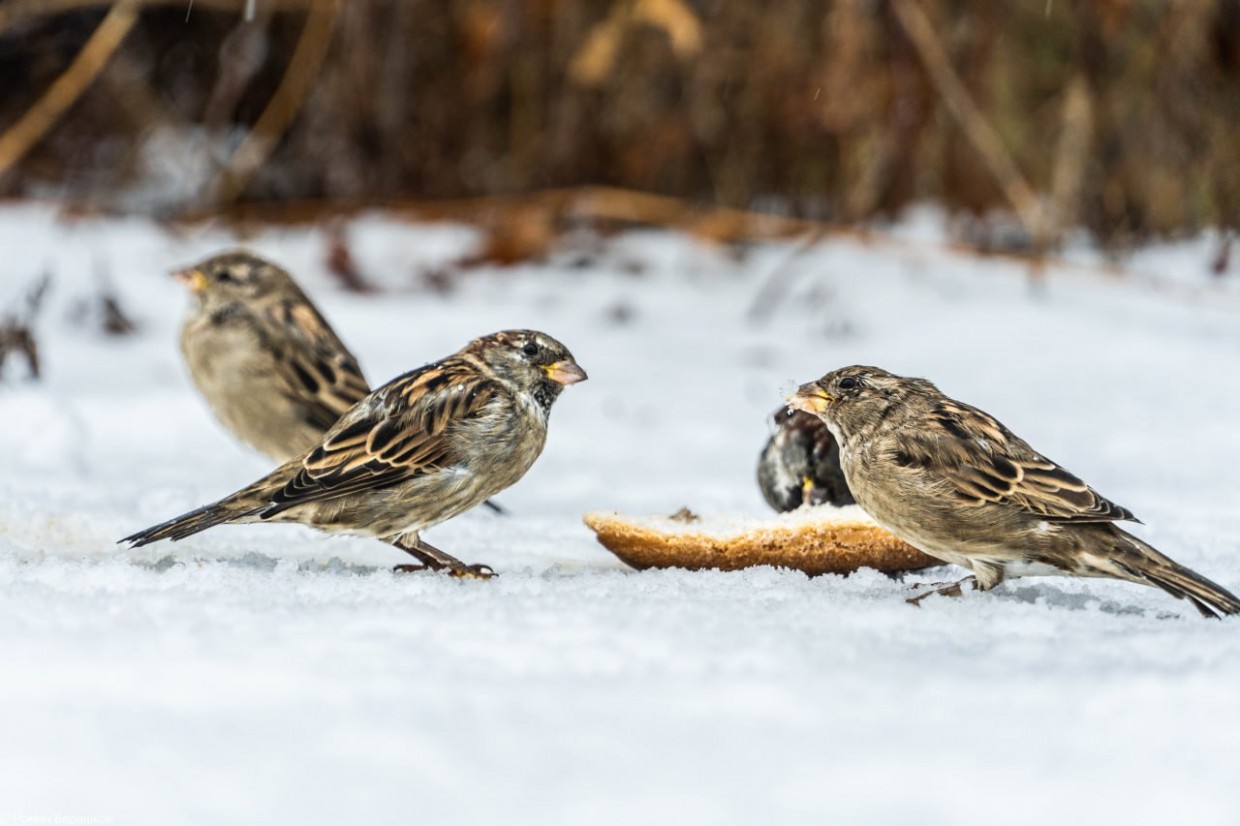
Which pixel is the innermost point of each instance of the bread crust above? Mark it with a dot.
(834, 544)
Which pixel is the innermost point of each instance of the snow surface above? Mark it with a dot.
(269, 673)
(732, 525)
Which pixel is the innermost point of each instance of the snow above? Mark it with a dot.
(733, 525)
(269, 673)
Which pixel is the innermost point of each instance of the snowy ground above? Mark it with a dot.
(273, 674)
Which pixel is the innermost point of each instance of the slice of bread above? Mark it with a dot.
(820, 540)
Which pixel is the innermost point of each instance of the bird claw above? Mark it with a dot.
(951, 589)
(472, 572)
(459, 571)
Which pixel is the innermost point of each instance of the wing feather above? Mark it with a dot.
(984, 463)
(400, 432)
(317, 371)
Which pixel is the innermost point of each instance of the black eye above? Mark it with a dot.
(530, 348)
(848, 383)
(225, 277)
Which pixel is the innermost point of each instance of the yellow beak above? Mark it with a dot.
(811, 398)
(192, 278)
(565, 372)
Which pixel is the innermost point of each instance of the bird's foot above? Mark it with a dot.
(433, 559)
(947, 589)
(460, 570)
(463, 571)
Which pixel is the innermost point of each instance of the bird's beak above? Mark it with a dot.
(565, 372)
(192, 278)
(811, 398)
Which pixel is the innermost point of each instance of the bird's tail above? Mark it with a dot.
(187, 524)
(1138, 562)
(248, 502)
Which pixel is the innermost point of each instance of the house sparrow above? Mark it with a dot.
(954, 482)
(268, 364)
(270, 367)
(800, 464)
(420, 450)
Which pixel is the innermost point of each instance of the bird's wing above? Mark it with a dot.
(315, 369)
(398, 433)
(983, 463)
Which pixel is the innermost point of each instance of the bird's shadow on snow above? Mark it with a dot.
(1030, 594)
(1076, 601)
(255, 561)
(1049, 595)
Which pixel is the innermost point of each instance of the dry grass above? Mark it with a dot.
(1120, 115)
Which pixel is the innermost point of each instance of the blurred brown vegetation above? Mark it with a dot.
(1119, 115)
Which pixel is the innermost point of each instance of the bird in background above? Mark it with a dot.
(800, 464)
(954, 482)
(423, 448)
(269, 365)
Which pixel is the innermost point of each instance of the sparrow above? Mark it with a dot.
(954, 482)
(800, 464)
(423, 448)
(269, 365)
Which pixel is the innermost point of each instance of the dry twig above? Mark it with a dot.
(21, 137)
(976, 128)
(17, 11)
(276, 118)
(17, 328)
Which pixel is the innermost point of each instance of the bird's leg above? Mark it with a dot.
(433, 559)
(952, 589)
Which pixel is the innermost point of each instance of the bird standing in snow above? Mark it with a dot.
(954, 482)
(425, 447)
(270, 367)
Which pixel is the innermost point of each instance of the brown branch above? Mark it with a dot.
(605, 204)
(21, 137)
(1072, 154)
(303, 68)
(15, 11)
(17, 328)
(976, 128)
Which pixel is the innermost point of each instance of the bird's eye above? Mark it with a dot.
(225, 277)
(530, 348)
(848, 383)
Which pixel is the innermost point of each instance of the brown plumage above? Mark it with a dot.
(422, 449)
(956, 483)
(268, 364)
(800, 464)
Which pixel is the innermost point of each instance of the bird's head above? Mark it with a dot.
(532, 361)
(852, 401)
(234, 278)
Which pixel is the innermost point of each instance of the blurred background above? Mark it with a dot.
(709, 202)
(1022, 118)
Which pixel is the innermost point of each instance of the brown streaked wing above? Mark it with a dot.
(988, 464)
(319, 372)
(398, 436)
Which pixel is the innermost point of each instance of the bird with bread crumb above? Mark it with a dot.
(954, 482)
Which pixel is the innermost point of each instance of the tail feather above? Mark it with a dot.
(1144, 564)
(187, 524)
(250, 501)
